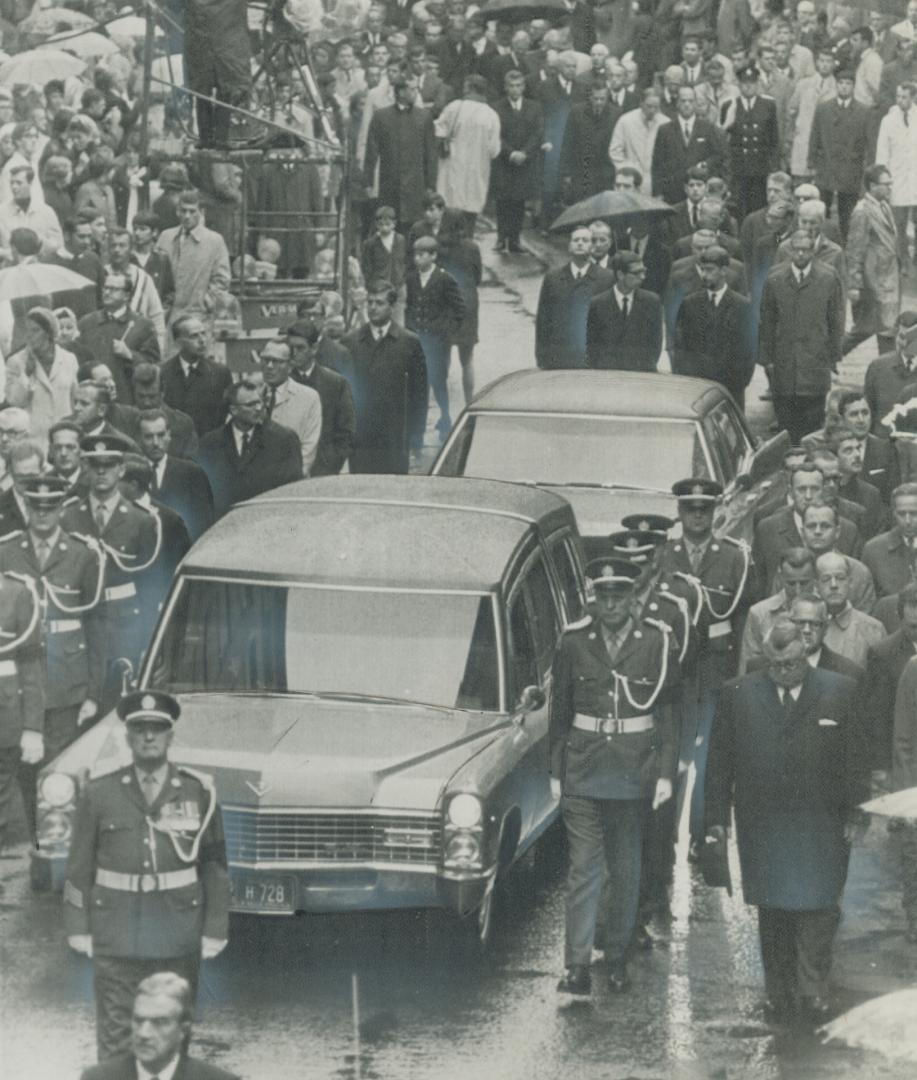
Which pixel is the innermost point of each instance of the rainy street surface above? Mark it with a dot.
(395, 997)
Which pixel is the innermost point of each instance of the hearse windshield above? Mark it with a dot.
(238, 637)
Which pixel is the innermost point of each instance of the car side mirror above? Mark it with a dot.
(531, 700)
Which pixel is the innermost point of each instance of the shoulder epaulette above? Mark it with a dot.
(204, 779)
(580, 624)
(11, 535)
(70, 501)
(661, 626)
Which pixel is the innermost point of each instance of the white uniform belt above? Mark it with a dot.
(171, 879)
(64, 626)
(7, 667)
(607, 725)
(121, 592)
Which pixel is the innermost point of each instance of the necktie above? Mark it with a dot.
(694, 215)
(148, 785)
(43, 551)
(694, 557)
(271, 401)
(246, 440)
(101, 519)
(611, 647)
(686, 131)
(625, 305)
(712, 297)
(907, 122)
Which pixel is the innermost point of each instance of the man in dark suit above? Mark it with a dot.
(685, 278)
(117, 336)
(147, 382)
(563, 305)
(779, 185)
(890, 556)
(401, 141)
(754, 142)
(248, 455)
(799, 337)
(191, 381)
(685, 220)
(389, 382)
(579, 19)
(781, 530)
(514, 173)
(338, 417)
(885, 663)
(839, 148)
(711, 216)
(384, 252)
(644, 241)
(433, 310)
(585, 167)
(161, 1020)
(558, 93)
(685, 142)
(179, 484)
(624, 324)
(713, 330)
(880, 460)
(787, 753)
(850, 450)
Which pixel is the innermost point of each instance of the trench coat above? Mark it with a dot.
(897, 150)
(795, 776)
(872, 257)
(472, 130)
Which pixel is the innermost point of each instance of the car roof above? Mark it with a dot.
(622, 393)
(396, 531)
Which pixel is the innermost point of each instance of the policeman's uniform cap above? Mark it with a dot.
(146, 705)
(697, 490)
(749, 73)
(619, 574)
(46, 491)
(648, 522)
(102, 447)
(635, 546)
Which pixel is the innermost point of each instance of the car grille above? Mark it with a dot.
(265, 836)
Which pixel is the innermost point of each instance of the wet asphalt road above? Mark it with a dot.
(280, 1003)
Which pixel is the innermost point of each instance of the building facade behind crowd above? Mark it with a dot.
(786, 152)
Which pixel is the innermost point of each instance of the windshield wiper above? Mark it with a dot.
(378, 699)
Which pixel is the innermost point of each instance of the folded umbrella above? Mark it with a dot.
(615, 207)
(39, 279)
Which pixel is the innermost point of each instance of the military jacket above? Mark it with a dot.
(753, 138)
(725, 579)
(116, 830)
(609, 764)
(22, 696)
(69, 579)
(674, 602)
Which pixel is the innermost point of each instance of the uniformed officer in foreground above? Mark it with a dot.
(613, 747)
(67, 578)
(718, 571)
(147, 887)
(131, 540)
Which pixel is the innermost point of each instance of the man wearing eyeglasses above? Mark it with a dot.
(624, 325)
(787, 752)
(286, 402)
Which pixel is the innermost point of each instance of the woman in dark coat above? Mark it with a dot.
(461, 258)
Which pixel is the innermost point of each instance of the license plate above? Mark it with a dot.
(251, 892)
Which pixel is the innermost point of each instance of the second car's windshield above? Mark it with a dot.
(561, 449)
(434, 648)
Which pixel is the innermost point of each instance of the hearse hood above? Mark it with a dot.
(281, 751)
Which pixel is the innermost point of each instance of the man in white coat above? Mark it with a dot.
(807, 94)
(470, 129)
(634, 137)
(896, 149)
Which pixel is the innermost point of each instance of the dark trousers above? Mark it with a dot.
(436, 352)
(796, 952)
(750, 194)
(605, 836)
(60, 731)
(845, 204)
(116, 981)
(799, 415)
(905, 843)
(697, 713)
(658, 859)
(866, 324)
(510, 218)
(9, 770)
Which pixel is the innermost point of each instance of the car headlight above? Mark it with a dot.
(463, 850)
(465, 811)
(57, 789)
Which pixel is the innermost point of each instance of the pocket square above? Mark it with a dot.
(827, 723)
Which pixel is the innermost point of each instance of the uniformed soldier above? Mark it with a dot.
(68, 576)
(613, 747)
(130, 538)
(718, 572)
(22, 697)
(147, 887)
(750, 121)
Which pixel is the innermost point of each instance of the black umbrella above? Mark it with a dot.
(523, 10)
(615, 207)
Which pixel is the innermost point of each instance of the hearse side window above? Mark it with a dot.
(524, 669)
(453, 464)
(566, 564)
(545, 623)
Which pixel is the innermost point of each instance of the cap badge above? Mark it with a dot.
(698, 489)
(100, 448)
(148, 702)
(633, 542)
(643, 525)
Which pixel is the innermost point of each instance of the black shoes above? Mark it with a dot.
(618, 979)
(576, 981)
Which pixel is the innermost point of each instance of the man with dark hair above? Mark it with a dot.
(199, 259)
(64, 456)
(686, 142)
(147, 384)
(624, 324)
(191, 381)
(751, 130)
(389, 382)
(338, 418)
(872, 264)
(21, 211)
(145, 231)
(514, 174)
(880, 462)
(179, 484)
(890, 374)
(249, 454)
(685, 219)
(795, 803)
(850, 450)
(890, 555)
(714, 330)
(585, 168)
